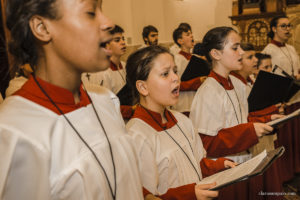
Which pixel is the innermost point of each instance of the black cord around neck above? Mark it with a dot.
(113, 194)
(175, 140)
(236, 116)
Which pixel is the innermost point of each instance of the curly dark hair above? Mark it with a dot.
(139, 65)
(22, 44)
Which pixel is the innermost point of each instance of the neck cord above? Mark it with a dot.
(236, 116)
(289, 57)
(121, 76)
(175, 140)
(113, 194)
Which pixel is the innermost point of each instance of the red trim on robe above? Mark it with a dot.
(190, 85)
(226, 83)
(114, 67)
(210, 167)
(238, 76)
(145, 192)
(142, 114)
(230, 141)
(63, 98)
(187, 56)
(279, 44)
(127, 111)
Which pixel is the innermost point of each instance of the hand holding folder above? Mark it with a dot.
(253, 167)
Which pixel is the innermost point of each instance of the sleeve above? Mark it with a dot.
(24, 169)
(263, 115)
(230, 140)
(210, 167)
(207, 113)
(190, 85)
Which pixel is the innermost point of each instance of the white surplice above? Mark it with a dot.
(42, 158)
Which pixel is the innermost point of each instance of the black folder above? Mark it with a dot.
(270, 89)
(125, 95)
(243, 171)
(197, 67)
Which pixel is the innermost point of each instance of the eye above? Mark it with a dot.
(165, 74)
(92, 14)
(235, 48)
(175, 70)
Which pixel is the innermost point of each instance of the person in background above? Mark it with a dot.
(174, 49)
(150, 36)
(282, 54)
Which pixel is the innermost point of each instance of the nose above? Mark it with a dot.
(241, 51)
(105, 23)
(175, 77)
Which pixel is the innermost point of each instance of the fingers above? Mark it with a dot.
(228, 163)
(202, 192)
(262, 129)
(276, 116)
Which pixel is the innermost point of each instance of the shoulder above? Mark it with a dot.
(24, 119)
(269, 48)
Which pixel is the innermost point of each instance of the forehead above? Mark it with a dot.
(283, 21)
(117, 35)
(163, 60)
(247, 53)
(266, 61)
(153, 33)
(232, 39)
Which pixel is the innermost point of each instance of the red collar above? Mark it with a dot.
(226, 83)
(62, 97)
(238, 76)
(279, 44)
(142, 114)
(114, 67)
(186, 55)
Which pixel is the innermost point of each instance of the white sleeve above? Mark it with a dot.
(146, 161)
(24, 169)
(207, 111)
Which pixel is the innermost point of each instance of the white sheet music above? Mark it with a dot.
(237, 172)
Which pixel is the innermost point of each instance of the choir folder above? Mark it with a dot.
(288, 117)
(197, 67)
(270, 89)
(253, 167)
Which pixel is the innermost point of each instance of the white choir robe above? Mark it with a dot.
(281, 56)
(186, 97)
(162, 163)
(42, 158)
(243, 90)
(111, 79)
(212, 111)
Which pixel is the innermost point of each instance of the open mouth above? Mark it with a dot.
(240, 60)
(123, 49)
(175, 91)
(103, 44)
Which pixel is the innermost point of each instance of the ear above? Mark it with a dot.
(38, 27)
(141, 86)
(180, 41)
(274, 29)
(215, 54)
